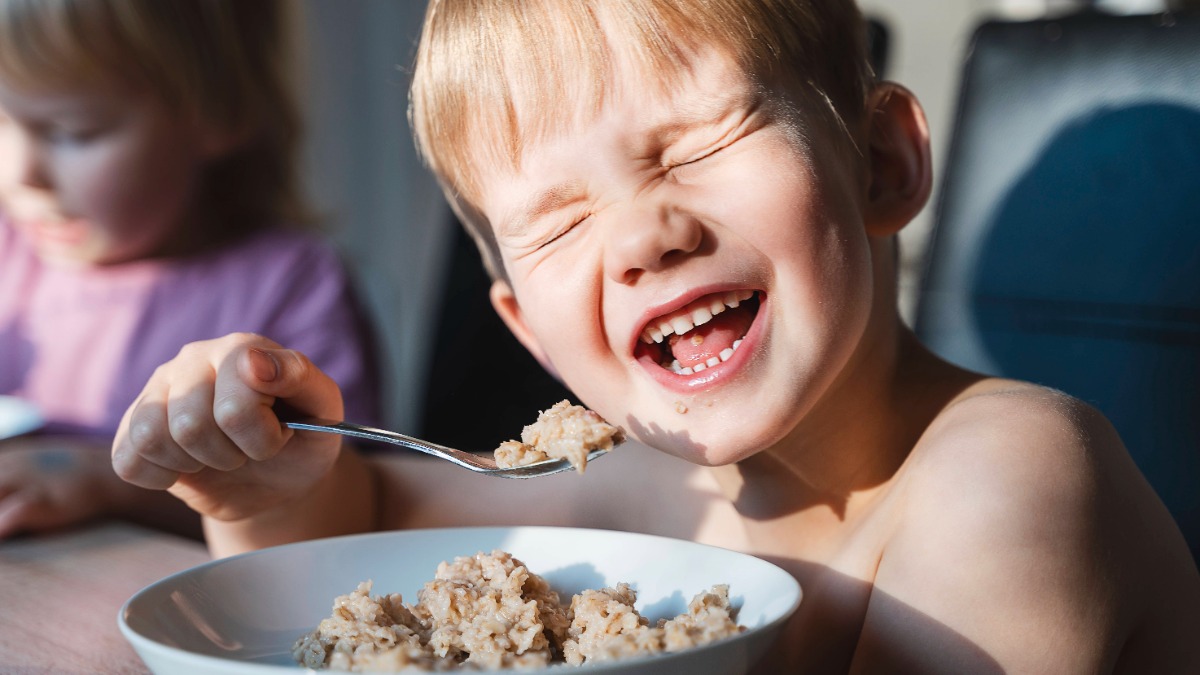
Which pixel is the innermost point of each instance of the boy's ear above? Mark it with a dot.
(900, 174)
(505, 303)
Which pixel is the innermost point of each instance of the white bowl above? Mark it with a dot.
(242, 614)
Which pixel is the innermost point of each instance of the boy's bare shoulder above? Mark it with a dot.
(1024, 461)
(1005, 504)
(1020, 434)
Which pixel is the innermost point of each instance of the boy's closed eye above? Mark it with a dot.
(546, 218)
(677, 166)
(572, 224)
(683, 159)
(687, 168)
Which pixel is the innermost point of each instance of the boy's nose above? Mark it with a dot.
(648, 240)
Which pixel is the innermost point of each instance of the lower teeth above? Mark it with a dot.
(679, 369)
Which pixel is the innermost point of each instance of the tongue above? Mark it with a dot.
(704, 342)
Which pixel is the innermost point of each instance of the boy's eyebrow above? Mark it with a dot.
(688, 115)
(547, 201)
(697, 112)
(693, 114)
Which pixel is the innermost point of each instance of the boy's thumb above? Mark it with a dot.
(289, 377)
(263, 364)
(280, 372)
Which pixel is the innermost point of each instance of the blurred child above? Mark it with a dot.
(148, 198)
(689, 208)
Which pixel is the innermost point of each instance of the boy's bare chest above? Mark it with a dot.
(832, 550)
(834, 557)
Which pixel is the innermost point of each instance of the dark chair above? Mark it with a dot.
(879, 45)
(483, 387)
(1067, 242)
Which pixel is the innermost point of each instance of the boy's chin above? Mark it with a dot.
(701, 451)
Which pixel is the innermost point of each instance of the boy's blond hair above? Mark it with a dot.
(224, 63)
(479, 58)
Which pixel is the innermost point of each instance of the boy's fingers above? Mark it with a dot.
(180, 424)
(247, 416)
(144, 434)
(289, 375)
(176, 461)
(248, 382)
(137, 470)
(253, 428)
(142, 473)
(194, 430)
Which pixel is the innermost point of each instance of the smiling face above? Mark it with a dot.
(100, 174)
(693, 269)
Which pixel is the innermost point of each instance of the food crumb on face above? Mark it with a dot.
(489, 611)
(563, 431)
(680, 408)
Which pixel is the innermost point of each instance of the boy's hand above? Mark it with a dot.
(204, 427)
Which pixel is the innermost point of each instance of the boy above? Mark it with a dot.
(689, 209)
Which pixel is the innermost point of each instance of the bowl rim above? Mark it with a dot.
(142, 642)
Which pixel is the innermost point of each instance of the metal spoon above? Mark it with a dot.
(477, 463)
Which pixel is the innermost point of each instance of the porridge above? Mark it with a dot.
(564, 431)
(488, 611)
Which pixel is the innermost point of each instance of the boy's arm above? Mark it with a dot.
(343, 501)
(1012, 550)
(205, 428)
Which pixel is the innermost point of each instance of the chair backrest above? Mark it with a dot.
(483, 387)
(1066, 249)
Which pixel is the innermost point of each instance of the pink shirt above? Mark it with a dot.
(80, 343)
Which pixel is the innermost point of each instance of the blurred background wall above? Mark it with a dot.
(381, 204)
(388, 215)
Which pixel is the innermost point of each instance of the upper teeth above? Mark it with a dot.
(695, 314)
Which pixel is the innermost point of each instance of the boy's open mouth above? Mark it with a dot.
(700, 335)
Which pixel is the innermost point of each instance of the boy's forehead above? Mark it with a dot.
(559, 84)
(640, 109)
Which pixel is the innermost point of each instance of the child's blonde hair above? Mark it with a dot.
(225, 63)
(478, 58)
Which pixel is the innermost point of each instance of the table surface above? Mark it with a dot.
(60, 594)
